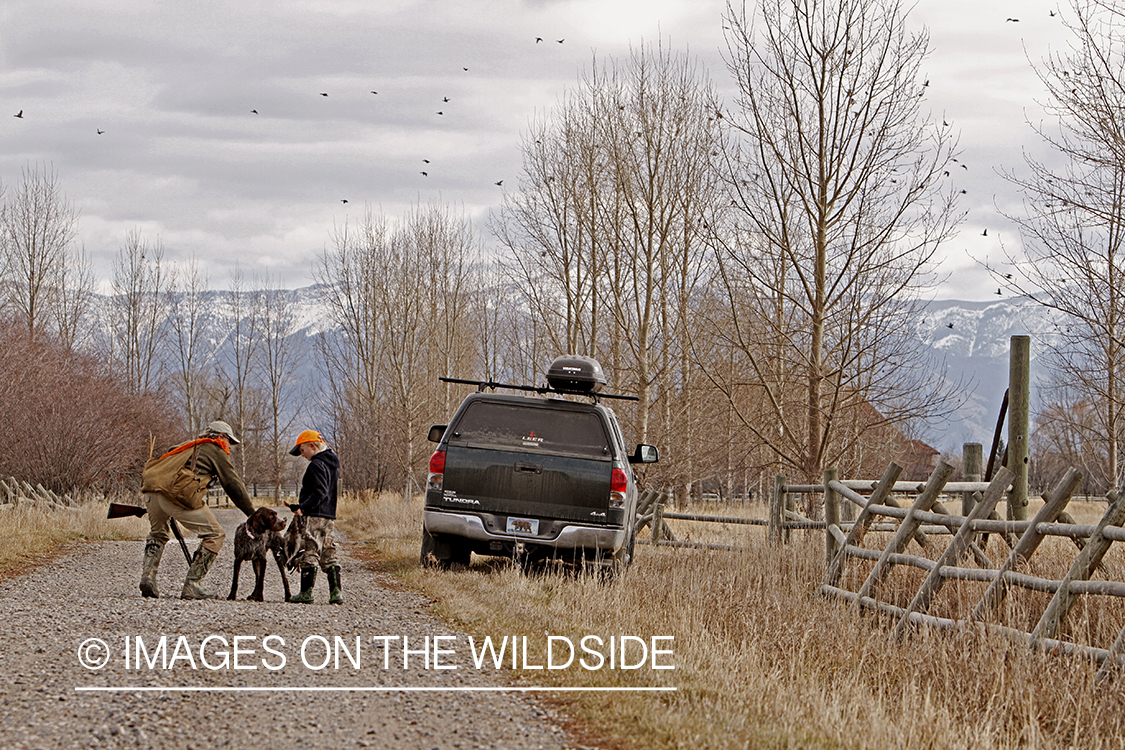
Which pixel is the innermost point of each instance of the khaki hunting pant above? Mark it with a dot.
(200, 521)
(319, 547)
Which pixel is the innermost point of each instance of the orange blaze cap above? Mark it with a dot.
(308, 436)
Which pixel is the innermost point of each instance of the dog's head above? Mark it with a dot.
(263, 520)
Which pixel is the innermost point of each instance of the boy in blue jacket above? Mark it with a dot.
(317, 504)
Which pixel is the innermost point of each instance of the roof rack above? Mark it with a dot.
(540, 389)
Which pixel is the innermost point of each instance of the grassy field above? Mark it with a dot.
(761, 661)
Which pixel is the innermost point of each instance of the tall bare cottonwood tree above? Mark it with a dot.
(138, 311)
(839, 206)
(1073, 231)
(38, 224)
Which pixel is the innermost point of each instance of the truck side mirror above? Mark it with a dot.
(645, 454)
(436, 433)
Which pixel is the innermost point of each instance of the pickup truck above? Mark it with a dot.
(534, 477)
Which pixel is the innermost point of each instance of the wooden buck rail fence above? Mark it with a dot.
(1094, 542)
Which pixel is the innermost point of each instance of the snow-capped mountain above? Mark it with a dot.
(973, 339)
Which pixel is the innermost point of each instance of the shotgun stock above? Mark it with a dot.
(121, 510)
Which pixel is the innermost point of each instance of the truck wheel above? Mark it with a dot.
(443, 553)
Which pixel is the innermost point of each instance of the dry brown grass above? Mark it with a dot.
(29, 534)
(762, 661)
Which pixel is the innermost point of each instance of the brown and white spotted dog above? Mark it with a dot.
(257, 535)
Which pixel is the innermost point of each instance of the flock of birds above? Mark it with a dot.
(500, 183)
(440, 112)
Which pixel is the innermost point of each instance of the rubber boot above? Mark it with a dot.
(334, 595)
(308, 579)
(153, 552)
(200, 564)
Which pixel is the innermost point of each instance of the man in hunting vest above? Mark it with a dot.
(208, 456)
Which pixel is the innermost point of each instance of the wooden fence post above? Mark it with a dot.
(773, 531)
(972, 468)
(831, 514)
(658, 520)
(1019, 398)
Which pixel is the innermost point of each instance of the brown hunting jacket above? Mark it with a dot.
(213, 460)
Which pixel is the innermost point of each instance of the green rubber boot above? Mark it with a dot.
(334, 595)
(153, 552)
(200, 563)
(308, 579)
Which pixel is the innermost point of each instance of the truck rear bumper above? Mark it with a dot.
(571, 536)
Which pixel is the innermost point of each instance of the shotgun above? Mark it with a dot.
(121, 510)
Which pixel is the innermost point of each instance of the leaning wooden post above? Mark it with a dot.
(1019, 396)
(1053, 504)
(1088, 559)
(972, 469)
(831, 514)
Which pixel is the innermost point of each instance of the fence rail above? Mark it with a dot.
(1094, 541)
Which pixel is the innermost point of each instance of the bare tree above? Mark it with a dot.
(74, 285)
(403, 296)
(1073, 231)
(350, 360)
(279, 360)
(37, 226)
(192, 354)
(840, 202)
(138, 311)
(606, 236)
(244, 311)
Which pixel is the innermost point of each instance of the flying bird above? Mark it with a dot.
(323, 94)
(999, 293)
(425, 161)
(100, 131)
(539, 38)
(374, 92)
(465, 69)
(560, 41)
(984, 233)
(1007, 276)
(441, 113)
(1014, 20)
(500, 183)
(19, 115)
(343, 200)
(445, 98)
(425, 174)
(948, 325)
(254, 111)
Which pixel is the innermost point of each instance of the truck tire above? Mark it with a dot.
(443, 553)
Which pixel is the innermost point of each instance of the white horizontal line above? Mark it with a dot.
(152, 689)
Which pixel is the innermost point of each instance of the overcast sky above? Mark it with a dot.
(184, 158)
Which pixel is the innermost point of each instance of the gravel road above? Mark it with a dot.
(48, 616)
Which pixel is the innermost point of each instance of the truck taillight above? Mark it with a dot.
(618, 486)
(437, 471)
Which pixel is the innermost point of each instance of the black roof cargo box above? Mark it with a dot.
(575, 373)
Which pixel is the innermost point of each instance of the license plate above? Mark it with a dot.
(529, 526)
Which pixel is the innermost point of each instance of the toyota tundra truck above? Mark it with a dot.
(534, 477)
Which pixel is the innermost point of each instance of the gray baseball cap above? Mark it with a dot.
(222, 428)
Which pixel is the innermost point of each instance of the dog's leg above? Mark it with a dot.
(234, 579)
(259, 579)
(284, 576)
